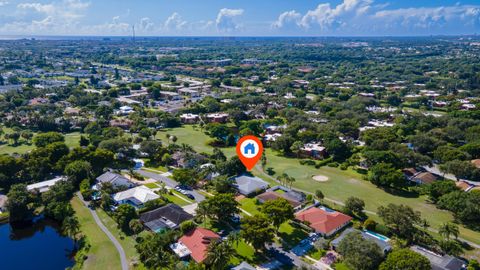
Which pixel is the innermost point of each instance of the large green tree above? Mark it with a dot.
(278, 211)
(221, 207)
(401, 219)
(405, 259)
(18, 203)
(359, 253)
(257, 230)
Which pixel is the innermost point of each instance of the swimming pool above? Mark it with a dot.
(378, 236)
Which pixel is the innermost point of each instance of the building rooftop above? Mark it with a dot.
(45, 185)
(114, 179)
(197, 242)
(247, 185)
(440, 262)
(168, 216)
(323, 220)
(138, 195)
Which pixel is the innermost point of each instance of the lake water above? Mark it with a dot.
(38, 246)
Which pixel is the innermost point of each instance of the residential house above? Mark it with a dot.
(72, 111)
(136, 197)
(170, 95)
(439, 261)
(244, 266)
(424, 178)
(323, 220)
(189, 92)
(169, 216)
(247, 185)
(195, 244)
(125, 110)
(464, 185)
(189, 118)
(116, 180)
(121, 123)
(45, 185)
(381, 241)
(313, 150)
(217, 117)
(187, 160)
(295, 198)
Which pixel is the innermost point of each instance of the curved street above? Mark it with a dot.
(118, 246)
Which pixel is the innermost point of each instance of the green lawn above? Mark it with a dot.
(127, 242)
(341, 266)
(71, 140)
(176, 200)
(246, 252)
(152, 185)
(340, 186)
(102, 254)
(291, 234)
(250, 205)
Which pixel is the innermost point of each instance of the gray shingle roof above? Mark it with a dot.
(440, 262)
(114, 179)
(247, 185)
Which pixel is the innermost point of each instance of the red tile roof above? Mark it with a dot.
(197, 241)
(323, 221)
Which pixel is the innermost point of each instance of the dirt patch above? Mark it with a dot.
(353, 180)
(320, 178)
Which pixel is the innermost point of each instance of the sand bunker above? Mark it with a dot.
(320, 178)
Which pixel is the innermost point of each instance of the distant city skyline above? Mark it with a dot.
(239, 18)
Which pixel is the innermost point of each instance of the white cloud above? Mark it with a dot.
(364, 17)
(287, 17)
(3, 3)
(225, 21)
(326, 17)
(146, 25)
(174, 22)
(429, 17)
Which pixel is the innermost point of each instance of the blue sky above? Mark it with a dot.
(240, 18)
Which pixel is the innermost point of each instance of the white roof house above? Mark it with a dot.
(45, 185)
(247, 185)
(136, 196)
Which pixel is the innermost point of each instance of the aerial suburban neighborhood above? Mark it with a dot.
(126, 150)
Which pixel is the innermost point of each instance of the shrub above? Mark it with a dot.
(333, 164)
(370, 224)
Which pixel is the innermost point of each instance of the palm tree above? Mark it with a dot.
(234, 238)
(290, 180)
(447, 229)
(282, 178)
(71, 228)
(202, 212)
(219, 254)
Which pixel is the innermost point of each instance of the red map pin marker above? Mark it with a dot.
(249, 151)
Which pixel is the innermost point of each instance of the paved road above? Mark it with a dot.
(169, 182)
(296, 260)
(259, 169)
(121, 252)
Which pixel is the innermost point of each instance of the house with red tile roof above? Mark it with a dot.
(195, 244)
(323, 220)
